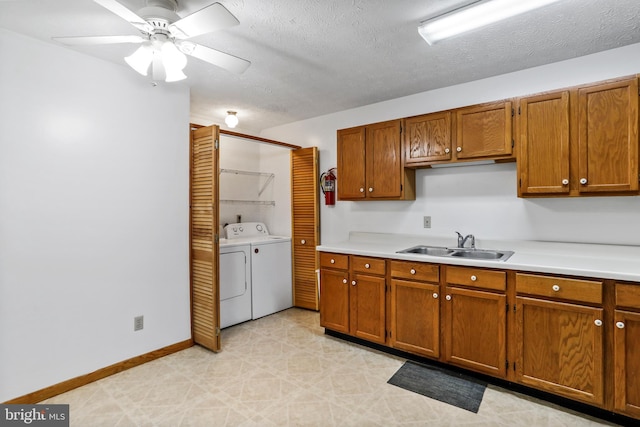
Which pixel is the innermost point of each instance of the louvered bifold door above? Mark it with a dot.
(205, 287)
(305, 224)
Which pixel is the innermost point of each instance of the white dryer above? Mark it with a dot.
(235, 282)
(271, 269)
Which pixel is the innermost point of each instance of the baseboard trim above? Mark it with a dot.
(63, 387)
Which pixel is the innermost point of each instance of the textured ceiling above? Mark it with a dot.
(315, 57)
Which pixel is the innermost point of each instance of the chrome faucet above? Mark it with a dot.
(463, 240)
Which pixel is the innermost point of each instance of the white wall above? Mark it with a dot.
(93, 214)
(246, 155)
(477, 199)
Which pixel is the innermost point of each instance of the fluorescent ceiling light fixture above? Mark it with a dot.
(475, 15)
(231, 120)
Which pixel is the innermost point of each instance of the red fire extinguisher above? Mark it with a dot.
(328, 186)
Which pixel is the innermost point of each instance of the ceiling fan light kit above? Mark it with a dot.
(475, 15)
(163, 47)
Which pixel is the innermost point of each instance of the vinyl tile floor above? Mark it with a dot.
(282, 370)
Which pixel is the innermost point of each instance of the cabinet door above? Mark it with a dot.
(543, 159)
(484, 131)
(475, 328)
(627, 362)
(334, 300)
(428, 138)
(367, 294)
(608, 137)
(384, 160)
(560, 348)
(415, 317)
(351, 163)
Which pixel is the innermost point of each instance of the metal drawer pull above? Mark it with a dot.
(333, 261)
(367, 266)
(435, 295)
(413, 271)
(344, 280)
(473, 278)
(620, 325)
(353, 283)
(598, 322)
(555, 288)
(448, 297)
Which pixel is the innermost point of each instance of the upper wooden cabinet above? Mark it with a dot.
(477, 132)
(370, 164)
(427, 138)
(608, 137)
(543, 161)
(579, 141)
(484, 131)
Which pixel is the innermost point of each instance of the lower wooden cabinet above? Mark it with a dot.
(560, 344)
(475, 320)
(626, 350)
(560, 330)
(353, 296)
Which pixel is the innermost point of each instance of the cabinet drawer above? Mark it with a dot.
(588, 291)
(628, 296)
(415, 271)
(486, 279)
(337, 261)
(369, 265)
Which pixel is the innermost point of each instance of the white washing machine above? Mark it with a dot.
(235, 282)
(271, 270)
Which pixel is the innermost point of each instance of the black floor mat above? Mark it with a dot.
(437, 383)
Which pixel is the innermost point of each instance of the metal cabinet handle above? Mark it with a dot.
(448, 297)
(555, 288)
(303, 241)
(333, 261)
(353, 283)
(447, 151)
(620, 325)
(583, 181)
(459, 149)
(598, 322)
(344, 281)
(412, 271)
(370, 189)
(435, 295)
(367, 265)
(565, 182)
(473, 278)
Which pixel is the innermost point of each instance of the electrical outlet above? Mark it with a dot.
(426, 221)
(138, 323)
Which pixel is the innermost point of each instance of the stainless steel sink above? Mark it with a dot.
(428, 250)
(458, 252)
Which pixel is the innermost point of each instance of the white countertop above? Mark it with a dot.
(575, 259)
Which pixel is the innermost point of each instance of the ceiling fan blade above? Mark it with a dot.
(215, 57)
(211, 18)
(126, 14)
(97, 40)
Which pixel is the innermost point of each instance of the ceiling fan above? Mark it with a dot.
(164, 37)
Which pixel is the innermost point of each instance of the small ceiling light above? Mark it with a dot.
(164, 58)
(173, 61)
(476, 15)
(231, 120)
